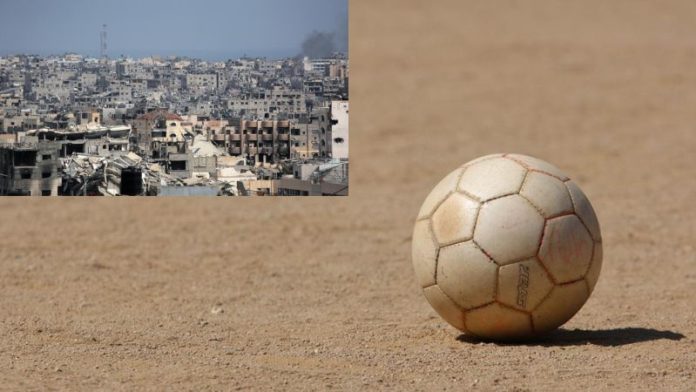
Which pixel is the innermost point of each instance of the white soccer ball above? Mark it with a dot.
(507, 247)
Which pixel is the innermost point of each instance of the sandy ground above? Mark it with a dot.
(312, 294)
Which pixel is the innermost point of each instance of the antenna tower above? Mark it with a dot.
(102, 41)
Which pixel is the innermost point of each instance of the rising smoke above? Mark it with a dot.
(319, 44)
(322, 44)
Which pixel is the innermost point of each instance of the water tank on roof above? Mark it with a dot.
(131, 181)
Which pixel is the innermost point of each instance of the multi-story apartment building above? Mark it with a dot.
(29, 169)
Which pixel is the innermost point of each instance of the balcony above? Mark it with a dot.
(235, 137)
(252, 124)
(267, 124)
(283, 124)
(252, 137)
(219, 138)
(267, 138)
(284, 137)
(253, 150)
(236, 150)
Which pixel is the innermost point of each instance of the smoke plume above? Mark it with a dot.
(319, 44)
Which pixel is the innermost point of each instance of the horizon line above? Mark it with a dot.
(166, 56)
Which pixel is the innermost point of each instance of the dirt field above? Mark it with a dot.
(313, 294)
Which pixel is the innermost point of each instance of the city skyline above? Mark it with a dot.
(202, 29)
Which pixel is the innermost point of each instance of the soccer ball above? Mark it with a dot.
(506, 247)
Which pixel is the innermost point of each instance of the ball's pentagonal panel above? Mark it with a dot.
(547, 193)
(566, 249)
(481, 159)
(495, 321)
(424, 253)
(563, 302)
(446, 186)
(466, 275)
(538, 165)
(595, 267)
(584, 210)
(444, 306)
(454, 219)
(509, 229)
(492, 178)
(523, 285)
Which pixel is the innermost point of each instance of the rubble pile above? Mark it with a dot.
(90, 175)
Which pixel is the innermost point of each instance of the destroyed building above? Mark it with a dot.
(29, 169)
(102, 141)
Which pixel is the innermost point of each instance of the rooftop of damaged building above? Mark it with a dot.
(202, 147)
(91, 132)
(159, 113)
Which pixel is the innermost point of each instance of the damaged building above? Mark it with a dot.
(102, 141)
(29, 169)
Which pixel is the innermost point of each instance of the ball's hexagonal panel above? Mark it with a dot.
(562, 304)
(424, 253)
(466, 275)
(495, 321)
(509, 229)
(537, 164)
(446, 186)
(566, 249)
(444, 306)
(481, 159)
(492, 178)
(584, 210)
(523, 285)
(595, 267)
(547, 193)
(454, 219)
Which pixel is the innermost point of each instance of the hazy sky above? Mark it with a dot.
(213, 29)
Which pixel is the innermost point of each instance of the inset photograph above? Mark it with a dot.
(251, 100)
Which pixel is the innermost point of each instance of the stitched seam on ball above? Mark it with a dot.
(570, 194)
(538, 209)
(524, 181)
(499, 197)
(437, 205)
(589, 265)
(585, 226)
(497, 282)
(461, 309)
(561, 214)
(462, 191)
(547, 173)
(504, 305)
(520, 260)
(521, 163)
(575, 209)
(480, 306)
(437, 261)
(469, 195)
(430, 216)
(571, 282)
(530, 168)
(479, 247)
(538, 254)
(543, 299)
